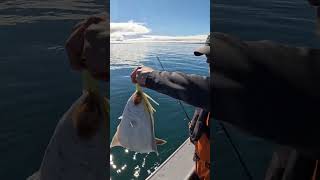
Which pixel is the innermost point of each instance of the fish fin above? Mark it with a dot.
(147, 104)
(151, 99)
(145, 98)
(160, 141)
(115, 141)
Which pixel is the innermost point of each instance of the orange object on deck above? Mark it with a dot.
(202, 155)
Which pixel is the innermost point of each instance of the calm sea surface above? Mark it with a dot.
(170, 121)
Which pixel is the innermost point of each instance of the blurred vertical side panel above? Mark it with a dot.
(212, 142)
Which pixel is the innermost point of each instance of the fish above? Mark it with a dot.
(135, 131)
(78, 148)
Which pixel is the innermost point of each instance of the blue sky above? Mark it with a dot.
(165, 17)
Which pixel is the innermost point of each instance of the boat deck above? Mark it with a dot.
(179, 165)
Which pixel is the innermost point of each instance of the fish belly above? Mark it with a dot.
(135, 131)
(69, 157)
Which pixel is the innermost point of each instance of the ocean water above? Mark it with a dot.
(286, 21)
(37, 84)
(170, 121)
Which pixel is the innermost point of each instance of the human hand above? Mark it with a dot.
(139, 75)
(88, 47)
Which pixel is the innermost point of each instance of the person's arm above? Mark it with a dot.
(190, 88)
(268, 89)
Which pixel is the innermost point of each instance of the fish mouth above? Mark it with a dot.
(86, 116)
(137, 98)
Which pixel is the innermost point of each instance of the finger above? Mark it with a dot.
(140, 77)
(74, 47)
(137, 68)
(133, 76)
(74, 44)
(81, 23)
(93, 20)
(138, 72)
(87, 22)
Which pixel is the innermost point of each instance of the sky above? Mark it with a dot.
(159, 20)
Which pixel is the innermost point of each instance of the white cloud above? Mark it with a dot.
(129, 32)
(190, 38)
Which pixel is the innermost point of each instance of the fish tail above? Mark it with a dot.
(160, 141)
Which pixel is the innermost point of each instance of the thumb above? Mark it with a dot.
(134, 75)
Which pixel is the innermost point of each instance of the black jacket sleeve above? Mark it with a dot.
(190, 88)
(268, 89)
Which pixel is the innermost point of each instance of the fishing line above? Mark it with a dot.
(244, 166)
(184, 110)
(246, 169)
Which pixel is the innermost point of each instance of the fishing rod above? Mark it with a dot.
(244, 166)
(183, 109)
